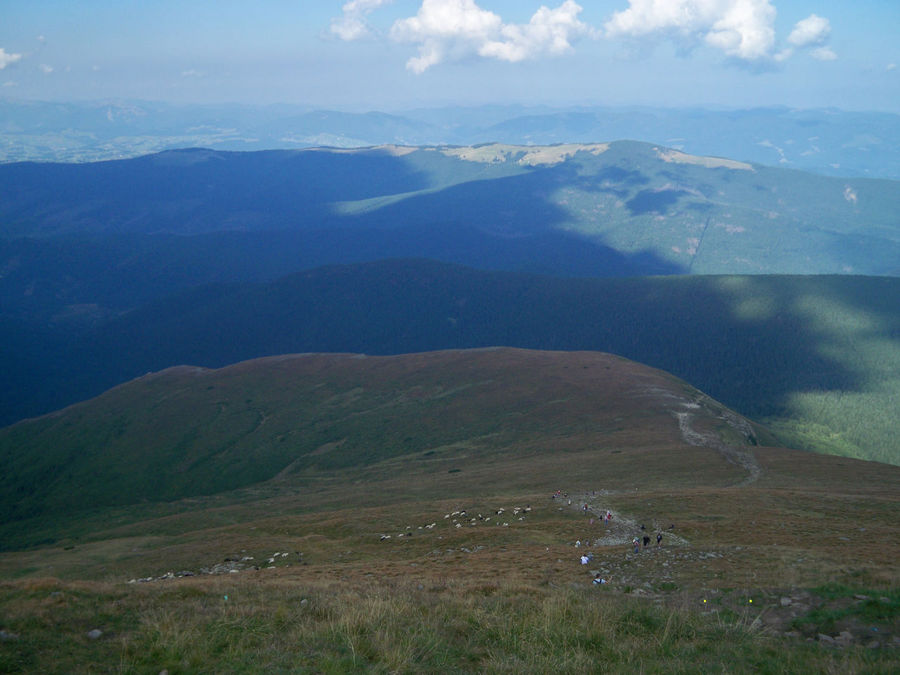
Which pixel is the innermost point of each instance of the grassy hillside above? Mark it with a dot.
(355, 553)
(188, 432)
(816, 358)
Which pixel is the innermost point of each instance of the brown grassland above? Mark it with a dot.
(771, 560)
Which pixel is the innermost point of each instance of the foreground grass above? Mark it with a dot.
(245, 625)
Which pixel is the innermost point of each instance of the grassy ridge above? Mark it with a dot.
(188, 432)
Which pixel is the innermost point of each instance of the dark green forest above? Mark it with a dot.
(815, 357)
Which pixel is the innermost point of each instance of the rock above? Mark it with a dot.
(825, 639)
(792, 634)
(304, 602)
(873, 644)
(95, 634)
(7, 636)
(859, 596)
(785, 602)
(845, 638)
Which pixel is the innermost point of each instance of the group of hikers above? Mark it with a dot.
(642, 540)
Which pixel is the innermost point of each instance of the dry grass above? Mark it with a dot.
(287, 625)
(485, 597)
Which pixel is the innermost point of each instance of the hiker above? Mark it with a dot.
(646, 541)
(608, 517)
(584, 508)
(598, 579)
(585, 560)
(637, 545)
(658, 538)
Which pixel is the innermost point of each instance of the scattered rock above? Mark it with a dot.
(825, 639)
(7, 636)
(95, 634)
(785, 602)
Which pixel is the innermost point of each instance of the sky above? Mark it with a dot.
(399, 54)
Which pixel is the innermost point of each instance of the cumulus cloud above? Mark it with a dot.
(352, 23)
(813, 30)
(45, 68)
(453, 28)
(550, 31)
(744, 29)
(443, 30)
(6, 59)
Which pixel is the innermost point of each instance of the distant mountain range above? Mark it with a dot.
(109, 270)
(630, 208)
(828, 141)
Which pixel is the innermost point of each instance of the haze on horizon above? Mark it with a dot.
(400, 54)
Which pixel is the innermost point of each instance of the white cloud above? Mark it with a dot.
(823, 54)
(891, 66)
(455, 28)
(813, 30)
(352, 24)
(46, 69)
(743, 29)
(6, 59)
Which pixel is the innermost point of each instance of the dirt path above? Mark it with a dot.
(742, 457)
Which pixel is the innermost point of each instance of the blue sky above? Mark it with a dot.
(396, 54)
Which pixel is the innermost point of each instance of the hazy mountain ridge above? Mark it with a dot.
(828, 141)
